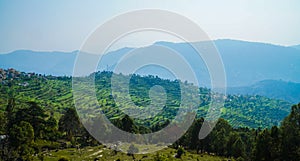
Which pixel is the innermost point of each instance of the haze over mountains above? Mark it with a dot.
(296, 47)
(247, 65)
(278, 89)
(54, 63)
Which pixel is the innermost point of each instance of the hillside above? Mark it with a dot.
(276, 89)
(54, 93)
(54, 63)
(40, 122)
(245, 62)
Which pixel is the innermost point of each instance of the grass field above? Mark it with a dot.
(105, 154)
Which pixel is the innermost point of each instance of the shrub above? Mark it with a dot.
(63, 159)
(159, 157)
(240, 159)
(180, 152)
(132, 149)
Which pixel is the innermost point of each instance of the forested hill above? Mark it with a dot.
(54, 94)
(278, 89)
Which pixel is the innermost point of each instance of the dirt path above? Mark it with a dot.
(96, 153)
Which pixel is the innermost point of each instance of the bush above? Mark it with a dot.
(180, 152)
(41, 145)
(132, 149)
(159, 157)
(63, 159)
(240, 159)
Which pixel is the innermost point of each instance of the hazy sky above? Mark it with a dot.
(64, 25)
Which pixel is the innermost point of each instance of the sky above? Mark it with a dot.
(64, 25)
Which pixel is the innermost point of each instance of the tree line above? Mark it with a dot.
(270, 144)
(28, 129)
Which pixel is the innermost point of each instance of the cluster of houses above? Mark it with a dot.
(8, 74)
(11, 74)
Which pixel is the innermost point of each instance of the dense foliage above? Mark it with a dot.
(37, 113)
(54, 94)
(276, 143)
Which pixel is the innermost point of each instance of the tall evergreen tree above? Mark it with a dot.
(263, 146)
(233, 136)
(127, 124)
(238, 148)
(291, 135)
(276, 140)
(70, 123)
(193, 135)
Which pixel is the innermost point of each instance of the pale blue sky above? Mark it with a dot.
(64, 25)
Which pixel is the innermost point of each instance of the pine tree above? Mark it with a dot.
(291, 135)
(238, 148)
(70, 123)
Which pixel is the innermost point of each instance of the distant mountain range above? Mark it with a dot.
(296, 47)
(247, 64)
(277, 89)
(54, 63)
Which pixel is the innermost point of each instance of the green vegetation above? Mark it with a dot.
(39, 126)
(54, 94)
(104, 154)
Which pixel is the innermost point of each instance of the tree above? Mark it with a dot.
(98, 128)
(220, 136)
(7, 151)
(220, 141)
(9, 114)
(291, 135)
(3, 122)
(35, 115)
(180, 152)
(276, 140)
(70, 123)
(193, 135)
(128, 125)
(238, 148)
(51, 130)
(159, 157)
(233, 136)
(132, 150)
(21, 137)
(263, 145)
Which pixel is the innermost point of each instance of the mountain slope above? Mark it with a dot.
(245, 62)
(54, 63)
(288, 91)
(55, 94)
